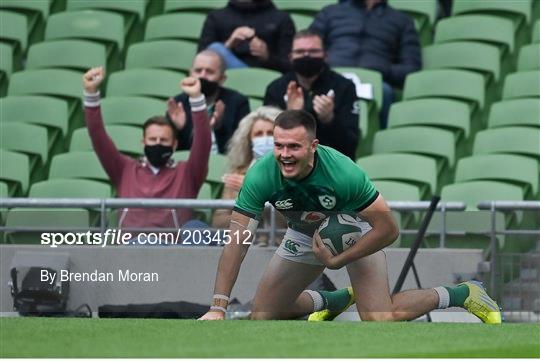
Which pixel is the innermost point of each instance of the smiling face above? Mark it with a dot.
(294, 151)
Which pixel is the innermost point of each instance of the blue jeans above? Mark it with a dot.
(388, 99)
(231, 60)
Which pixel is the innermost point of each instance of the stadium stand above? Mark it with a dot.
(302, 7)
(258, 80)
(6, 67)
(424, 14)
(15, 172)
(180, 26)
(15, 33)
(536, 32)
(202, 6)
(130, 110)
(127, 139)
(217, 166)
(529, 58)
(522, 84)
(36, 13)
(77, 164)
(70, 188)
(301, 21)
(176, 55)
(156, 83)
(515, 112)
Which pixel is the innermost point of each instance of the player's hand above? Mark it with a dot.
(176, 113)
(323, 105)
(258, 48)
(295, 96)
(323, 254)
(239, 34)
(191, 86)
(217, 116)
(213, 315)
(93, 78)
(233, 181)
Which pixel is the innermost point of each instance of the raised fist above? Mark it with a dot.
(93, 78)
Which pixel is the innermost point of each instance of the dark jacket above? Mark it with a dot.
(343, 132)
(236, 107)
(382, 39)
(273, 26)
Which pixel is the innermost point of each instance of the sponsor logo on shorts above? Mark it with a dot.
(327, 201)
(284, 204)
(291, 246)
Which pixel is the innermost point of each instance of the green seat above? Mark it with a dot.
(436, 143)
(183, 26)
(487, 29)
(36, 13)
(130, 110)
(251, 82)
(454, 84)
(509, 168)
(193, 5)
(14, 32)
(157, 83)
(369, 77)
(84, 165)
(67, 85)
(79, 55)
(4, 193)
(58, 220)
(127, 139)
(301, 22)
(529, 58)
(70, 188)
(441, 113)
(514, 140)
(175, 55)
(523, 84)
(536, 32)
(15, 171)
(424, 14)
(515, 112)
(217, 166)
(416, 170)
(397, 191)
(29, 139)
(255, 103)
(6, 66)
(101, 26)
(204, 214)
(303, 7)
(53, 114)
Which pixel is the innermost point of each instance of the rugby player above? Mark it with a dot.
(306, 181)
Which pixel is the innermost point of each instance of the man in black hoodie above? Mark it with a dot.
(249, 33)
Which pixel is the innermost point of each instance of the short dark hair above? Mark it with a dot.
(307, 33)
(294, 118)
(158, 120)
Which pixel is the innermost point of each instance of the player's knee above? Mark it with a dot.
(259, 315)
(377, 316)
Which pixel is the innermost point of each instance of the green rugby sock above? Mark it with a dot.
(335, 301)
(458, 295)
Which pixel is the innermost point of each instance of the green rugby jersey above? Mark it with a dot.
(336, 183)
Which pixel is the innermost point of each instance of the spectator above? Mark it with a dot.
(155, 175)
(249, 33)
(253, 139)
(327, 95)
(225, 106)
(371, 34)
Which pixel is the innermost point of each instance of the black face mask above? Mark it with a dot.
(209, 88)
(308, 66)
(158, 154)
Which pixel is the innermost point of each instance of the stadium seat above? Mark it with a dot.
(519, 170)
(202, 6)
(515, 112)
(84, 165)
(513, 140)
(29, 139)
(131, 110)
(303, 7)
(367, 76)
(15, 33)
(182, 26)
(467, 55)
(536, 32)
(255, 103)
(522, 84)
(397, 191)
(436, 143)
(454, 84)
(529, 58)
(424, 14)
(70, 188)
(101, 26)
(15, 172)
(487, 29)
(157, 83)
(416, 170)
(441, 113)
(217, 166)
(78, 55)
(301, 22)
(174, 55)
(251, 82)
(36, 13)
(67, 85)
(53, 114)
(4, 193)
(127, 139)
(6, 66)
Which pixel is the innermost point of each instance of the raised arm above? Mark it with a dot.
(110, 158)
(241, 230)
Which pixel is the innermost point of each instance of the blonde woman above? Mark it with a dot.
(252, 139)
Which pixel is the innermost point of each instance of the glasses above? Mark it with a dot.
(307, 51)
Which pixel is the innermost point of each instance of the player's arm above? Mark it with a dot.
(241, 230)
(383, 233)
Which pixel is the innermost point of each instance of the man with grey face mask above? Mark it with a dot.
(226, 107)
(313, 87)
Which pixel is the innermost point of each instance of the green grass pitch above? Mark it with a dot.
(42, 337)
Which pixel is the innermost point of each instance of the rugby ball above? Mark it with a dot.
(340, 231)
